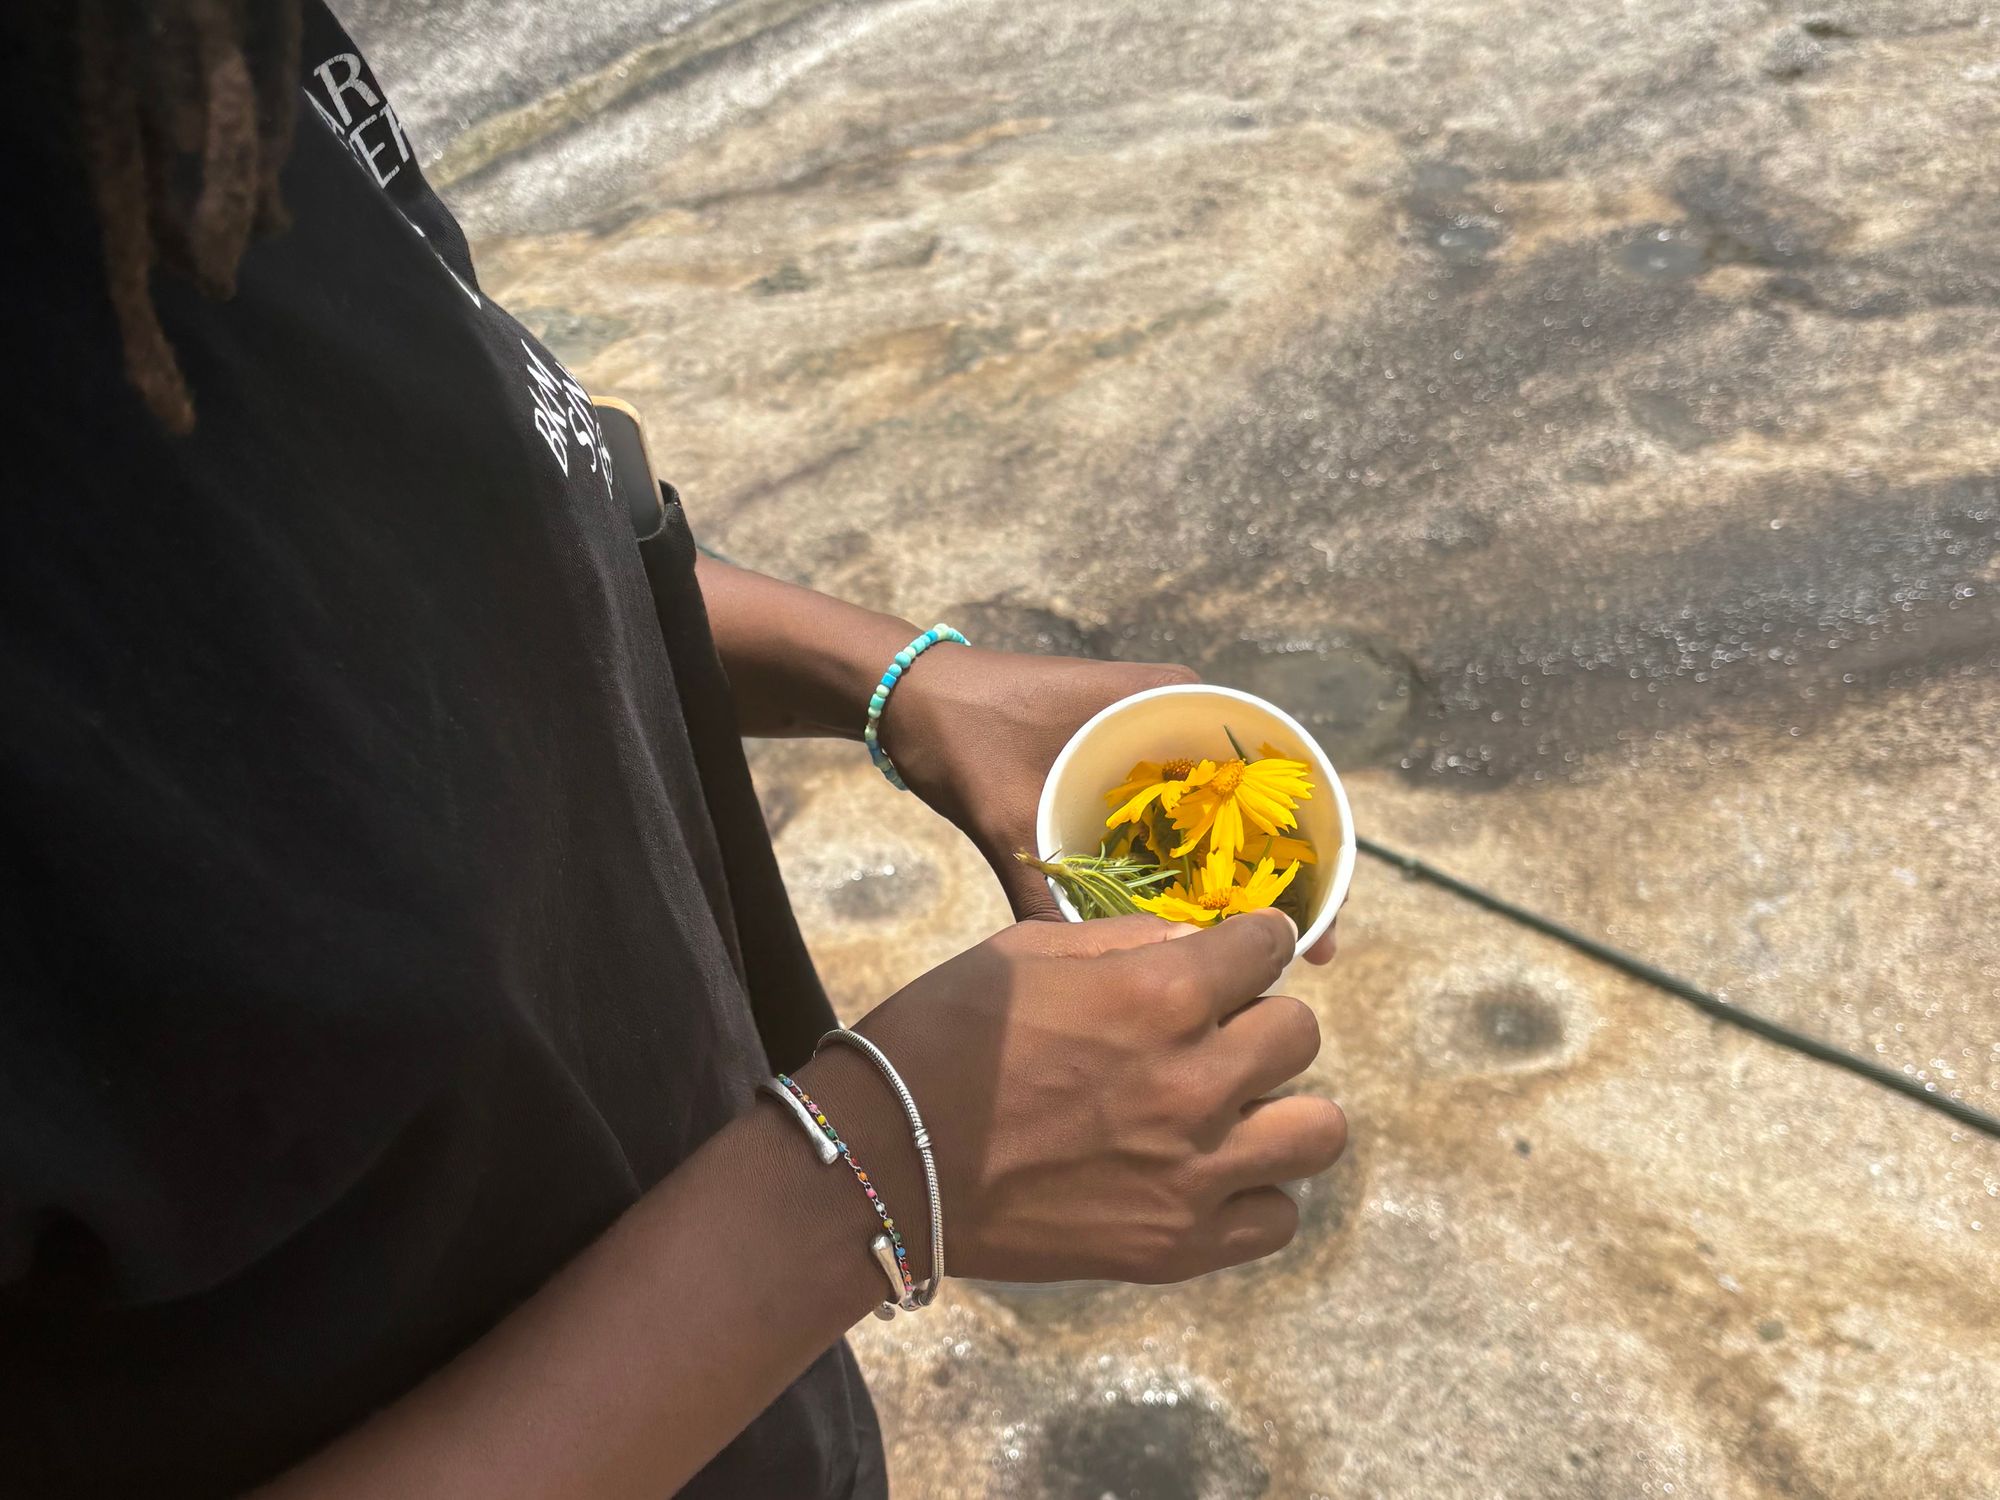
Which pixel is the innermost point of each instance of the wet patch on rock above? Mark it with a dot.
(1665, 250)
(1355, 698)
(877, 892)
(780, 802)
(1330, 1202)
(1743, 219)
(786, 279)
(1159, 1445)
(1362, 699)
(1793, 53)
(1449, 220)
(1814, 593)
(1514, 1022)
(1507, 1023)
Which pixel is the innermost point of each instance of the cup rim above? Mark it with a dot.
(1343, 872)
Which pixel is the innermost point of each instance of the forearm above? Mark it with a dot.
(799, 662)
(643, 1357)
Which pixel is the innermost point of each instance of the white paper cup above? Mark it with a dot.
(1170, 722)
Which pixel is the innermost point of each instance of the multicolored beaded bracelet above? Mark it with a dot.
(872, 735)
(902, 1262)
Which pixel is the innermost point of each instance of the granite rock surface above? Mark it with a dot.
(1584, 415)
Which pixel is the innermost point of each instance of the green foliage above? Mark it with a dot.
(1104, 884)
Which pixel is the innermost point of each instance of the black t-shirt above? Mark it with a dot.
(384, 903)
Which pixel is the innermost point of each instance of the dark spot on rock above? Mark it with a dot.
(1746, 634)
(873, 893)
(1665, 250)
(1793, 53)
(1771, 1330)
(900, 251)
(1095, 1450)
(1522, 1148)
(1515, 1021)
(781, 805)
(787, 278)
(941, 1373)
(1603, 459)
(1327, 1203)
(1745, 220)
(971, 344)
(1240, 119)
(1459, 530)
(1357, 697)
(1449, 221)
(1682, 416)
(1463, 239)
(1439, 178)
(843, 547)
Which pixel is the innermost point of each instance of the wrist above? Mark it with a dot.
(821, 1213)
(800, 663)
(859, 1103)
(846, 667)
(930, 704)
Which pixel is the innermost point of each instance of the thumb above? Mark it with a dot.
(1027, 891)
(1102, 935)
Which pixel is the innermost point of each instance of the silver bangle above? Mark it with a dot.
(828, 1152)
(828, 1147)
(874, 1054)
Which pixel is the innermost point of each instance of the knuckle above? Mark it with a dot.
(1284, 1225)
(1167, 1250)
(1284, 939)
(1171, 674)
(1205, 1105)
(1325, 1131)
(1299, 1026)
(1269, 1223)
(1181, 997)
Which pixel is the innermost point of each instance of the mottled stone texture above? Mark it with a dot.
(1585, 414)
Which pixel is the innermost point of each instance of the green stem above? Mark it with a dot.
(1100, 885)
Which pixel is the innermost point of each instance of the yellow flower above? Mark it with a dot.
(1276, 846)
(1265, 793)
(1216, 893)
(1166, 781)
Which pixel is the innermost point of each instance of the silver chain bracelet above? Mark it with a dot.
(874, 1054)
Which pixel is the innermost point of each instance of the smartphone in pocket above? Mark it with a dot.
(632, 480)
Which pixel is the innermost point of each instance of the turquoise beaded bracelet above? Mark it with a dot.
(873, 733)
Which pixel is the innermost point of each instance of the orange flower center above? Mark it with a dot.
(1214, 901)
(1228, 779)
(1176, 770)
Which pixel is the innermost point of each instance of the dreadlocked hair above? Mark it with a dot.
(186, 110)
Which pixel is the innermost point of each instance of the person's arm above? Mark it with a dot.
(973, 732)
(800, 663)
(1095, 1097)
(632, 1368)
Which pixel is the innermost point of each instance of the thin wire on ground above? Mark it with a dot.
(1925, 1093)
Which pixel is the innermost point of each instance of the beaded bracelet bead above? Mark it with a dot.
(872, 734)
(908, 1298)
